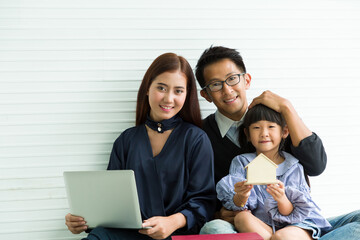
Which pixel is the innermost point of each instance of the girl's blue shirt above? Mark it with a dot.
(262, 204)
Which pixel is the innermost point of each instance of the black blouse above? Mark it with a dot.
(179, 179)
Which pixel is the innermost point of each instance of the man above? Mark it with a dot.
(222, 75)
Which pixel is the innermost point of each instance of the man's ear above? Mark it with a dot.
(205, 95)
(285, 132)
(247, 77)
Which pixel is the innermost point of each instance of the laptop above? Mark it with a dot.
(104, 198)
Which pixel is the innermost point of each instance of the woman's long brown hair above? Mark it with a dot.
(169, 62)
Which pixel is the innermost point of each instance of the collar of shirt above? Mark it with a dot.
(283, 167)
(224, 123)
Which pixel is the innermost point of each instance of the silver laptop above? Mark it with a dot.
(104, 198)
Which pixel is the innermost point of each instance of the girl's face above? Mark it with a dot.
(167, 94)
(266, 137)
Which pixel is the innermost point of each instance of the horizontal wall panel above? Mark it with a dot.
(137, 23)
(170, 44)
(250, 55)
(41, 128)
(126, 65)
(36, 213)
(285, 33)
(29, 184)
(43, 233)
(38, 95)
(44, 171)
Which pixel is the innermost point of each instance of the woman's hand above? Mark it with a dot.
(162, 227)
(75, 224)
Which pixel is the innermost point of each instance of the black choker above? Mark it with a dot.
(164, 125)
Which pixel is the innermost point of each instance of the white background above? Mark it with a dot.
(70, 70)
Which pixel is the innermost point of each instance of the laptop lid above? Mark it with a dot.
(104, 198)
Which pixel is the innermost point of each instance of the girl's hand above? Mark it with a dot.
(242, 193)
(75, 224)
(162, 227)
(277, 191)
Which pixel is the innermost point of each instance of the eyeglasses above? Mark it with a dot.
(230, 81)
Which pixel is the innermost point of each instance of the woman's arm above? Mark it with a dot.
(198, 200)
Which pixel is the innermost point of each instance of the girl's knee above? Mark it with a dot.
(281, 235)
(292, 233)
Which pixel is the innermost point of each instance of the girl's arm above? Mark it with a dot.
(232, 192)
(277, 191)
(297, 194)
(242, 193)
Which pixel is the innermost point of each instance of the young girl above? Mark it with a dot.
(277, 211)
(171, 156)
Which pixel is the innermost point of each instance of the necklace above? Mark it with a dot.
(164, 125)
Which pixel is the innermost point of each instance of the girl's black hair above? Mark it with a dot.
(258, 113)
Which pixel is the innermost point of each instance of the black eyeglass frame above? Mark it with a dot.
(225, 81)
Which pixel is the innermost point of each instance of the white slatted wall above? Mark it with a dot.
(70, 69)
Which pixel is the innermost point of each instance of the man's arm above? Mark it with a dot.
(311, 154)
(305, 145)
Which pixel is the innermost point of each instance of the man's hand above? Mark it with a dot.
(228, 215)
(75, 224)
(271, 100)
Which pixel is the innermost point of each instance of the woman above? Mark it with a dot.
(171, 156)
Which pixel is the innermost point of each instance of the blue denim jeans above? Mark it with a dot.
(346, 226)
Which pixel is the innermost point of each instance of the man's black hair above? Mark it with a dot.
(215, 54)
